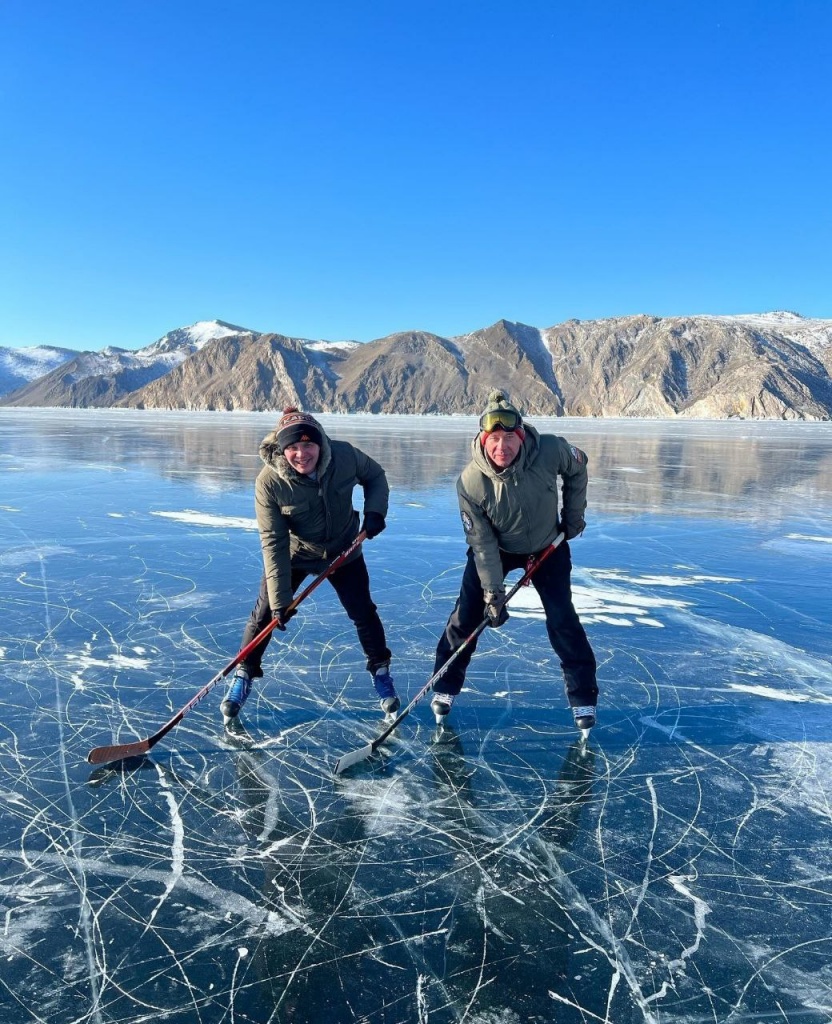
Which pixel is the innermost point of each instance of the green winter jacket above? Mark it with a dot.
(306, 523)
(516, 509)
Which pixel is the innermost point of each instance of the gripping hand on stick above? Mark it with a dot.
(495, 608)
(283, 614)
(373, 524)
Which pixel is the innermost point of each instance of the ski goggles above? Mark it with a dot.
(500, 419)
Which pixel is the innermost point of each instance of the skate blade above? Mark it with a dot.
(444, 734)
(584, 735)
(235, 732)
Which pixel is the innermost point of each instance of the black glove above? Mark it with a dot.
(495, 609)
(570, 532)
(373, 524)
(283, 614)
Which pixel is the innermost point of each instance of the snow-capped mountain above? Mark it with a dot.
(20, 366)
(186, 340)
(814, 333)
(645, 366)
(767, 365)
(96, 379)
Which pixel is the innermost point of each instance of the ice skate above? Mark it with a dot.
(440, 705)
(584, 719)
(383, 682)
(236, 734)
(237, 695)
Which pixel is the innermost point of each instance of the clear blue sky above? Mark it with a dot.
(352, 168)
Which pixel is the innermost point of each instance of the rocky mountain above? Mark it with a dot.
(814, 334)
(246, 371)
(20, 366)
(771, 365)
(706, 367)
(100, 379)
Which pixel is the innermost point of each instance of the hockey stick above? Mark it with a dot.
(104, 755)
(348, 760)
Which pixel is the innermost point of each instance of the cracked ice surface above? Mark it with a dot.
(497, 872)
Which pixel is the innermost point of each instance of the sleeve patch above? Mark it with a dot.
(467, 522)
(577, 454)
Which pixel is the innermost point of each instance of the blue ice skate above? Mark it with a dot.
(237, 694)
(383, 682)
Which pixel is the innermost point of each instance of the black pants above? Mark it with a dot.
(566, 634)
(352, 585)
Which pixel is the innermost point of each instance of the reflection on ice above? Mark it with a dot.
(494, 871)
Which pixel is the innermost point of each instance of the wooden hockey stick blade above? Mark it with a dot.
(119, 752)
(104, 755)
(354, 756)
(138, 748)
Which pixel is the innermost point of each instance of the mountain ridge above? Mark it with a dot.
(775, 365)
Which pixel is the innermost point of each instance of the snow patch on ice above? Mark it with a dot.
(192, 600)
(502, 1016)
(206, 519)
(611, 605)
(22, 556)
(807, 536)
(660, 579)
(21, 930)
(383, 804)
(772, 694)
(113, 661)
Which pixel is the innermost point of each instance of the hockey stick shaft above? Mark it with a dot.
(118, 752)
(347, 760)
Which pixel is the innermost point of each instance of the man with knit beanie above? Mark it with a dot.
(303, 501)
(508, 500)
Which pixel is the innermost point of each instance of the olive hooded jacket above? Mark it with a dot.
(516, 509)
(305, 523)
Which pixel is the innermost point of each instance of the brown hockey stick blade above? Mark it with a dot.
(105, 755)
(118, 752)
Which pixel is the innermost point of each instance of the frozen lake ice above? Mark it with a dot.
(678, 868)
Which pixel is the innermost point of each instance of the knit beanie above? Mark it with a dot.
(491, 417)
(294, 426)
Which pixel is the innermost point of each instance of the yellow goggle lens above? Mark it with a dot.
(501, 419)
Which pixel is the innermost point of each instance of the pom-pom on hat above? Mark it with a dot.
(500, 414)
(294, 426)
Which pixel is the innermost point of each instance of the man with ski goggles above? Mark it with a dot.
(511, 511)
(500, 419)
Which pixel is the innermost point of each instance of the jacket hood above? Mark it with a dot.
(273, 457)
